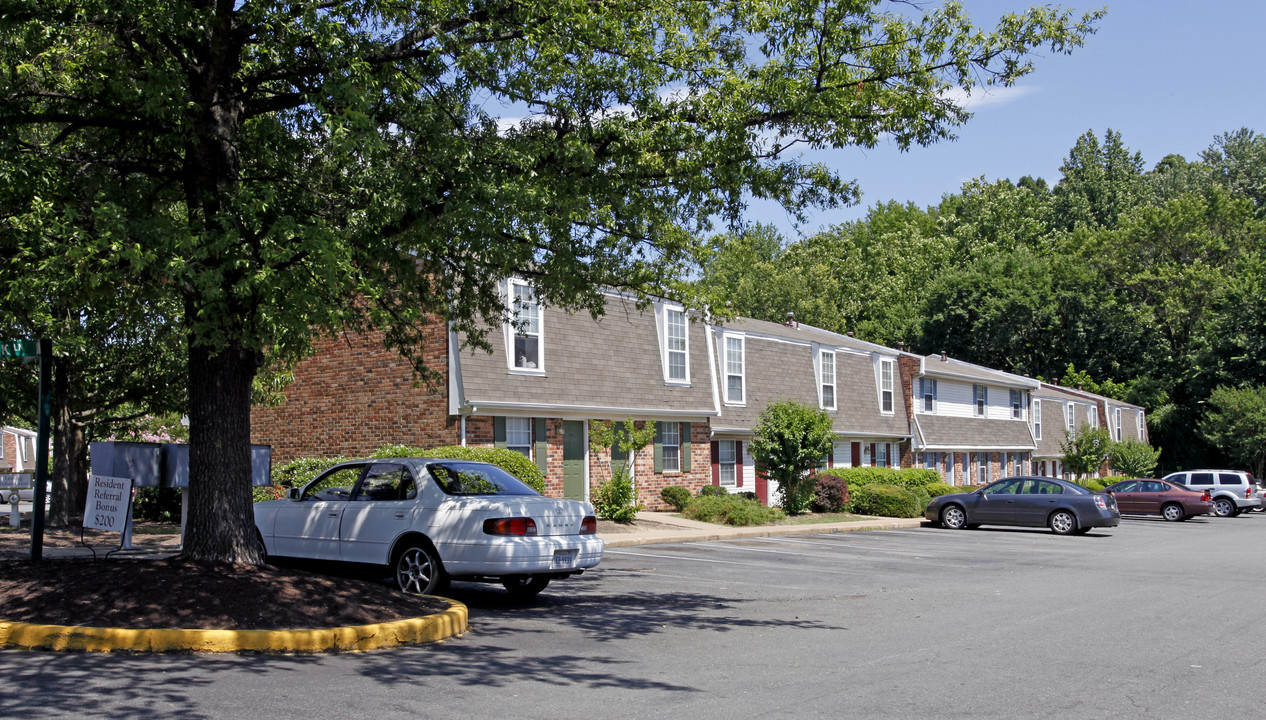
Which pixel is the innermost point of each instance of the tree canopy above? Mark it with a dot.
(280, 169)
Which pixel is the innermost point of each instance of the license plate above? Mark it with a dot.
(565, 558)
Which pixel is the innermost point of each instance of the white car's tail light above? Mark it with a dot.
(510, 526)
(589, 526)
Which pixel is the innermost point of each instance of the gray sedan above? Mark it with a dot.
(1062, 506)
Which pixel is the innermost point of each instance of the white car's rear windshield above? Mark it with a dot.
(462, 478)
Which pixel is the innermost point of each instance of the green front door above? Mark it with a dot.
(574, 459)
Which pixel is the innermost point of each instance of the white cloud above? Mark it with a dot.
(982, 97)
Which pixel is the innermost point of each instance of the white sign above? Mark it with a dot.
(109, 503)
(18, 481)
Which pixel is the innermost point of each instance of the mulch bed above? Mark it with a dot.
(179, 593)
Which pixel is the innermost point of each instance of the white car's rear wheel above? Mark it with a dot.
(418, 571)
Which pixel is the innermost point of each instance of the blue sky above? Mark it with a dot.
(1168, 74)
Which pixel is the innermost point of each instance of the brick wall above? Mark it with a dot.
(354, 396)
(907, 368)
(9, 461)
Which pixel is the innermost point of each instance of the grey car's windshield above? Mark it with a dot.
(462, 478)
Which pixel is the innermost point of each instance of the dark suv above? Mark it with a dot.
(1232, 491)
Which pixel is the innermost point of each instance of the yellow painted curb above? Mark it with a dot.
(357, 638)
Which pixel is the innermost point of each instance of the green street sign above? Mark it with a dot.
(18, 348)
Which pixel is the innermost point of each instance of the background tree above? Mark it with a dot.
(1100, 182)
(1236, 422)
(328, 165)
(1133, 458)
(792, 439)
(1085, 450)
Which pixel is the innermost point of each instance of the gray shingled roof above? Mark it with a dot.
(954, 433)
(778, 370)
(607, 368)
(934, 366)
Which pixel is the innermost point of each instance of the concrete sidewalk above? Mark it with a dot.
(662, 527)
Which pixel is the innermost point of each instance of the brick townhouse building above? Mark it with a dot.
(701, 385)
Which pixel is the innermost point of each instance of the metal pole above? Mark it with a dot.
(41, 450)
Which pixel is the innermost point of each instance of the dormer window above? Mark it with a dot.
(1138, 423)
(885, 386)
(1116, 422)
(1017, 404)
(981, 395)
(1069, 420)
(1037, 419)
(826, 370)
(675, 345)
(1092, 415)
(525, 328)
(734, 370)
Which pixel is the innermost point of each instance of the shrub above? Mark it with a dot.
(887, 501)
(613, 499)
(830, 494)
(677, 496)
(713, 491)
(1094, 484)
(301, 471)
(913, 478)
(732, 510)
(747, 494)
(156, 504)
(267, 492)
(938, 489)
(512, 462)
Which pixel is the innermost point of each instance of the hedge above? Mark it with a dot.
(888, 501)
(731, 510)
(300, 471)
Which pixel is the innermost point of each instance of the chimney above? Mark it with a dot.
(944, 356)
(1055, 381)
(1078, 386)
(791, 320)
(850, 333)
(901, 345)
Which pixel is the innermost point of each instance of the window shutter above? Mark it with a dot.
(738, 463)
(716, 463)
(857, 454)
(499, 432)
(542, 445)
(685, 447)
(659, 449)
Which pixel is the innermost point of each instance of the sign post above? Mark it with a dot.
(42, 349)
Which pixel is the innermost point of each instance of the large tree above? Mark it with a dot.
(323, 164)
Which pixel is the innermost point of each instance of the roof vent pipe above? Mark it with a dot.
(944, 356)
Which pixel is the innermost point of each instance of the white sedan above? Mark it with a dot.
(432, 521)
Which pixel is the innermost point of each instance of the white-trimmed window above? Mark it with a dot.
(734, 361)
(676, 345)
(1017, 404)
(526, 327)
(727, 463)
(519, 435)
(927, 390)
(980, 393)
(982, 468)
(1037, 419)
(826, 369)
(885, 386)
(1116, 423)
(1138, 424)
(26, 448)
(670, 441)
(1092, 415)
(1069, 417)
(2, 444)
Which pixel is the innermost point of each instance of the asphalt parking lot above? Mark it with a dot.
(1151, 619)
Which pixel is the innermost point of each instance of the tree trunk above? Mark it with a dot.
(70, 455)
(221, 526)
